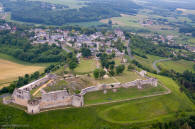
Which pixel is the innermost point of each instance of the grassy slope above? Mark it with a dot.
(155, 108)
(121, 94)
(150, 109)
(178, 66)
(148, 62)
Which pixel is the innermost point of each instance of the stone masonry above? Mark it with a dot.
(21, 96)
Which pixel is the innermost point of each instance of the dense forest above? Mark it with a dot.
(19, 46)
(45, 13)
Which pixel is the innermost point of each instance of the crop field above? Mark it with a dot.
(124, 115)
(11, 69)
(121, 94)
(135, 22)
(71, 3)
(178, 66)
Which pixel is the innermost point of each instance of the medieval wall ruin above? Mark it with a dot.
(52, 99)
(136, 83)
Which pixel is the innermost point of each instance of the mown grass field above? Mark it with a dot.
(11, 69)
(178, 66)
(121, 94)
(85, 66)
(123, 115)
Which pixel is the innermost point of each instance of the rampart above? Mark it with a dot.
(21, 96)
(136, 83)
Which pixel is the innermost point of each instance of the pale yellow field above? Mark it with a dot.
(10, 71)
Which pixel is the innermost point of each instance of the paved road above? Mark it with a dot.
(157, 61)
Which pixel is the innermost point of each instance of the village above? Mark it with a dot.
(75, 40)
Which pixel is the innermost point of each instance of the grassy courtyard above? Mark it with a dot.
(178, 66)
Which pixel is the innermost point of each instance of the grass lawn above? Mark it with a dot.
(107, 81)
(86, 66)
(148, 62)
(128, 76)
(117, 61)
(139, 113)
(178, 66)
(121, 94)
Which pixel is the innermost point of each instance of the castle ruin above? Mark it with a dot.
(22, 96)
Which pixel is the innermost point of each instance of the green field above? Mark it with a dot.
(128, 76)
(123, 115)
(148, 62)
(178, 66)
(155, 108)
(85, 66)
(121, 94)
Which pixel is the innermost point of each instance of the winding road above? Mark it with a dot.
(157, 61)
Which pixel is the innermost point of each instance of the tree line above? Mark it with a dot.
(41, 12)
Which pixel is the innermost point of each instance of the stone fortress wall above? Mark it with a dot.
(136, 83)
(21, 96)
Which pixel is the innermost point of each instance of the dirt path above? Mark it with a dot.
(43, 86)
